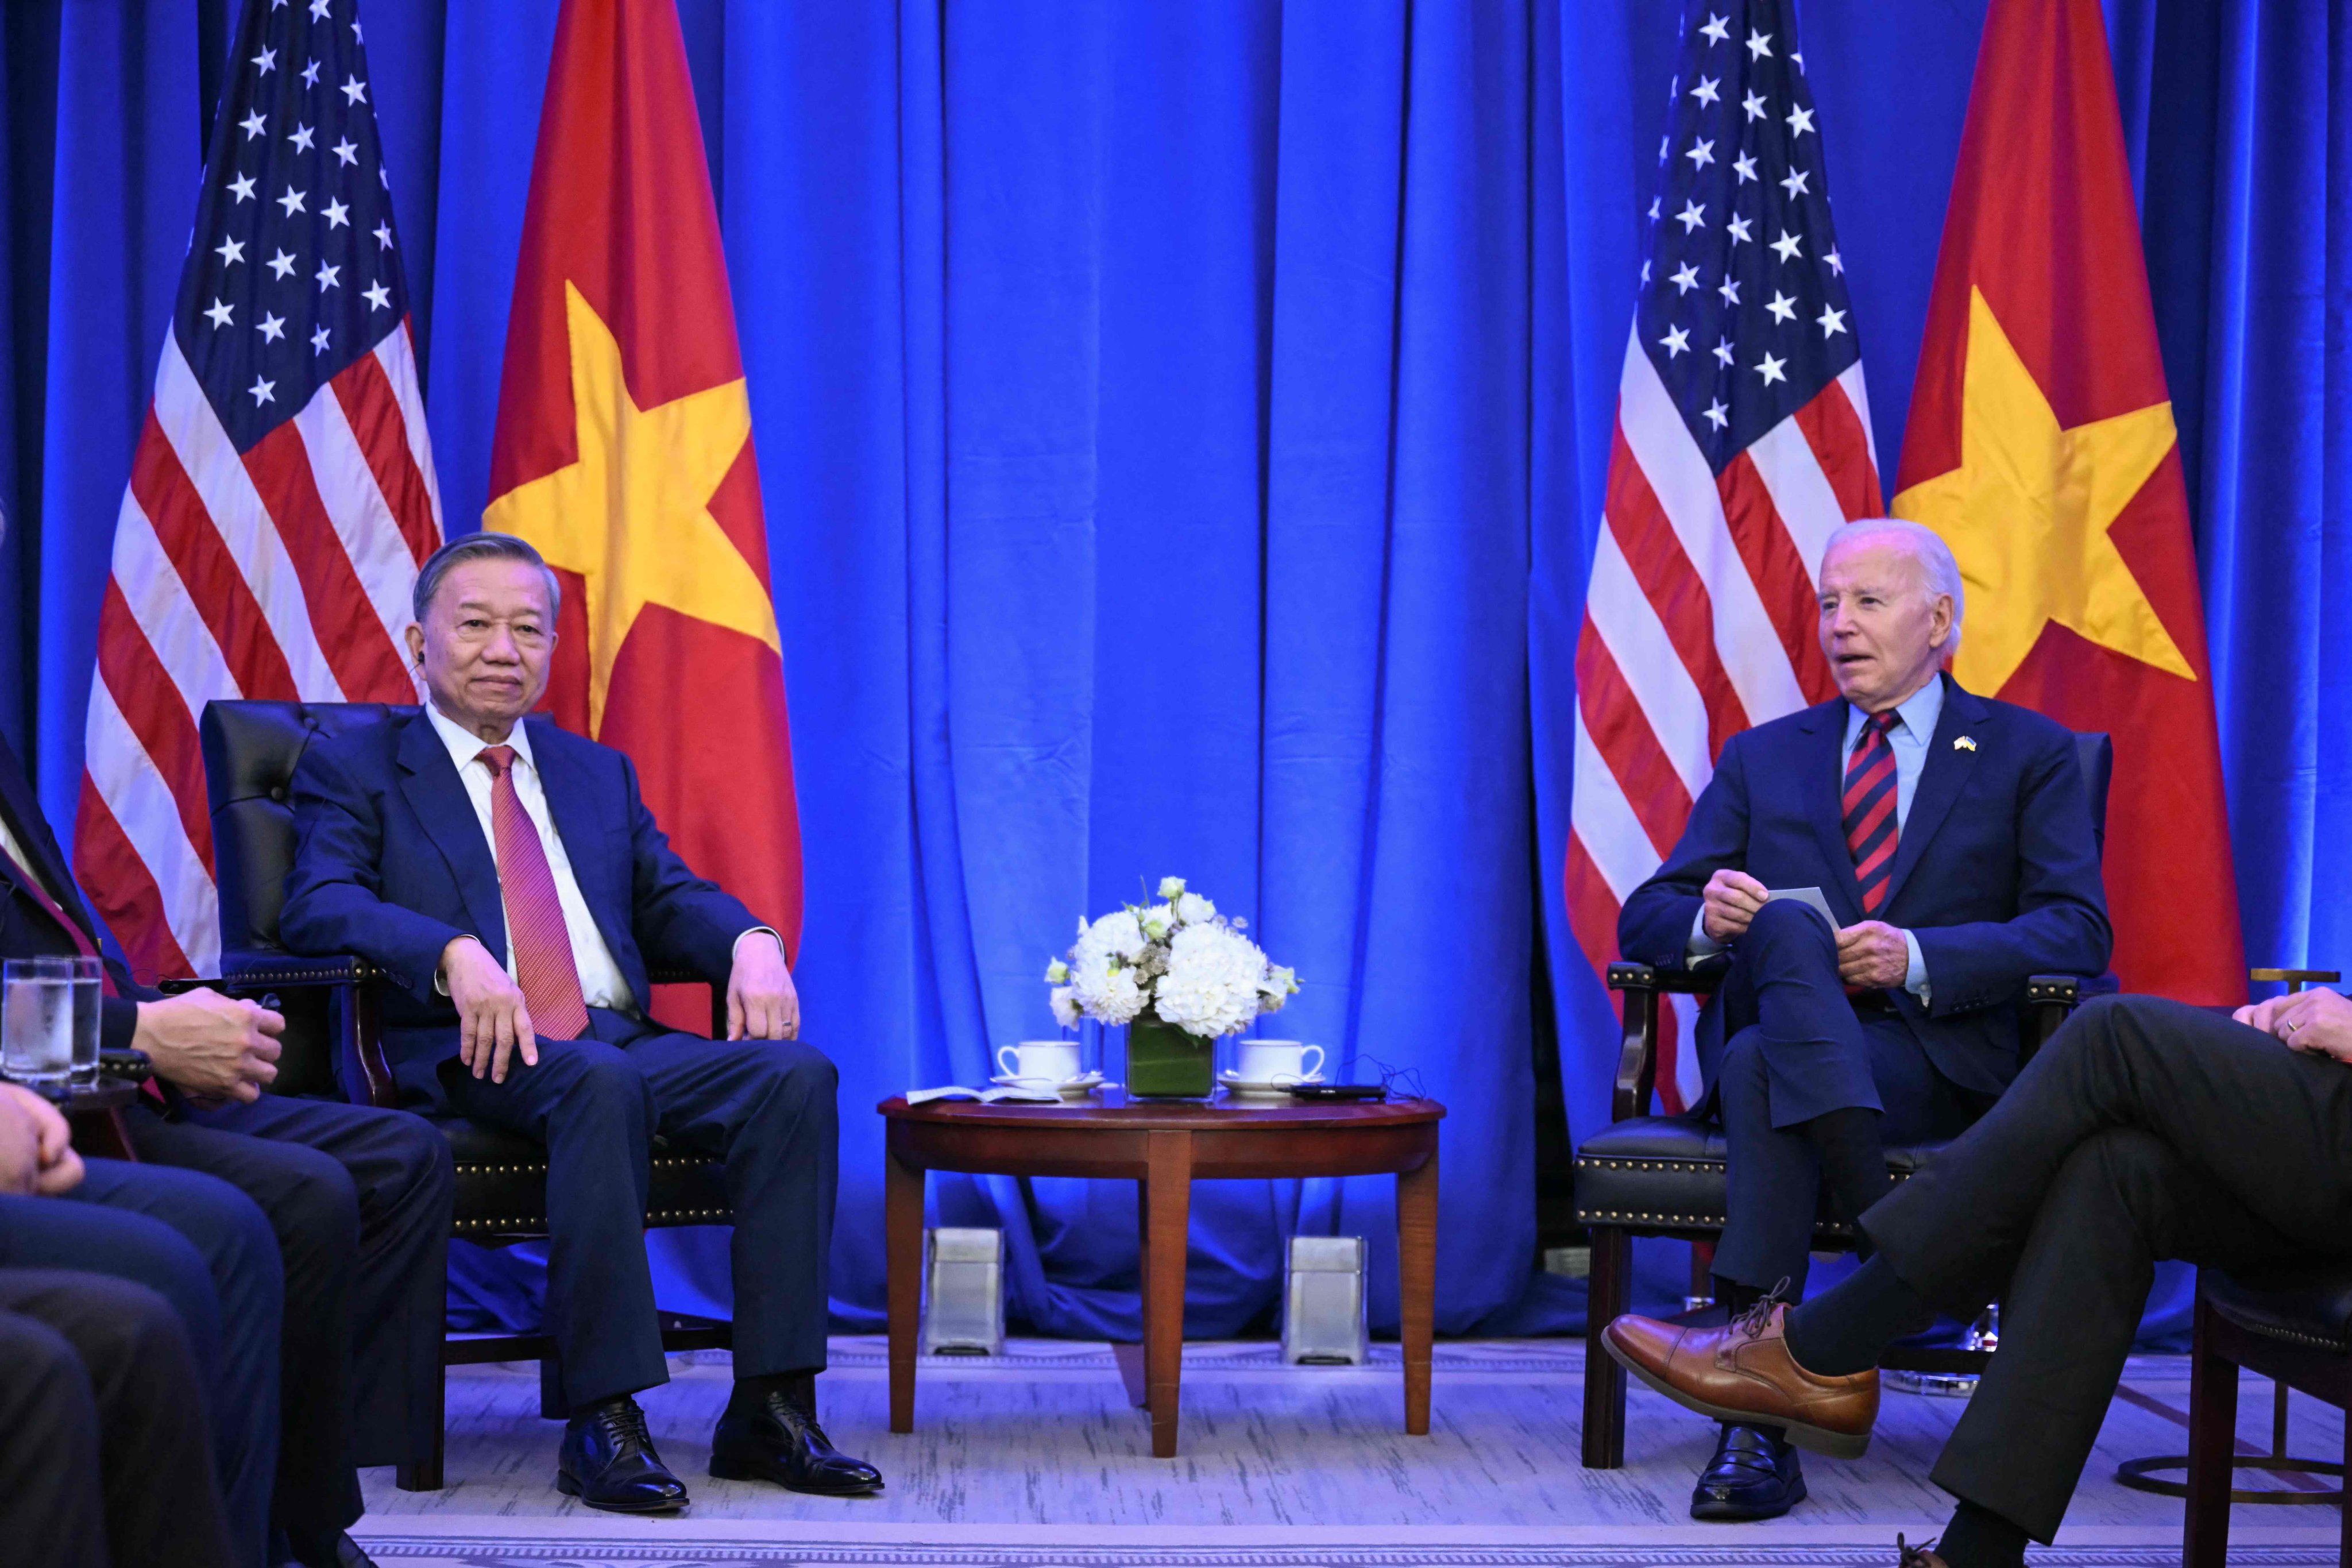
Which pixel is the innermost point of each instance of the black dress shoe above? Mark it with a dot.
(768, 1435)
(608, 1461)
(1754, 1475)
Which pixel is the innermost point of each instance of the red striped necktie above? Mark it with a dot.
(81, 942)
(542, 944)
(1869, 802)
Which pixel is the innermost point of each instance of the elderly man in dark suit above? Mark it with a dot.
(511, 883)
(1952, 839)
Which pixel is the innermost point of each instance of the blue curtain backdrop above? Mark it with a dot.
(1182, 430)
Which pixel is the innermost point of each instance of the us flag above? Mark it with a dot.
(1743, 438)
(282, 492)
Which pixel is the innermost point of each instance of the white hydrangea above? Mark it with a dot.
(1117, 935)
(1211, 988)
(1107, 994)
(1178, 957)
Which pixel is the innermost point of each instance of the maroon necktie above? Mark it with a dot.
(1869, 802)
(80, 940)
(536, 933)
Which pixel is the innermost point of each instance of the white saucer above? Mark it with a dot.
(1237, 1084)
(1077, 1088)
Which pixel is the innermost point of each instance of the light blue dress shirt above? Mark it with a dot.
(1908, 739)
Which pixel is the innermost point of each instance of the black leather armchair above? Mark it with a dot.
(1664, 1175)
(331, 1044)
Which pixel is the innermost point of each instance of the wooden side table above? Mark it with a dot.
(1163, 1146)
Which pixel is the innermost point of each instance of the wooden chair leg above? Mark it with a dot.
(423, 1475)
(1604, 1380)
(2212, 1443)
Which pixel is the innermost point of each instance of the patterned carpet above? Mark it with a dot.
(1036, 1460)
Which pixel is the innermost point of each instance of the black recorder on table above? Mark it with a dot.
(1325, 1092)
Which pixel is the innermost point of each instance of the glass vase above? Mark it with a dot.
(1163, 1062)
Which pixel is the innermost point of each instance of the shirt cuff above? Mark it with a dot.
(757, 931)
(1914, 972)
(1701, 946)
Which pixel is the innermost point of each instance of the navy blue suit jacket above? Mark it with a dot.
(391, 863)
(1997, 871)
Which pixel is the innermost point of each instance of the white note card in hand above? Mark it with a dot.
(1811, 895)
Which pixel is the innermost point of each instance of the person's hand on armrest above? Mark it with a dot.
(493, 1025)
(213, 1047)
(2317, 1022)
(36, 1152)
(1729, 903)
(762, 1001)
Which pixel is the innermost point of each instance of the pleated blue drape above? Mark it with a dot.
(1183, 431)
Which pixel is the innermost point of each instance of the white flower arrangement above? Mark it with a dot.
(1178, 957)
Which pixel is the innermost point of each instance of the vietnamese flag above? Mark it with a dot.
(2041, 447)
(624, 452)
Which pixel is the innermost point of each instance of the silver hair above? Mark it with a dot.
(1928, 548)
(480, 547)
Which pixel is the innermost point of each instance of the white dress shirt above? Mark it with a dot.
(15, 851)
(601, 984)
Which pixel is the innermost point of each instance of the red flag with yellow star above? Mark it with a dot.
(624, 452)
(2041, 447)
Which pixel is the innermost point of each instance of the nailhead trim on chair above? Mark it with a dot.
(672, 1163)
(1620, 1220)
(537, 1224)
(2294, 1336)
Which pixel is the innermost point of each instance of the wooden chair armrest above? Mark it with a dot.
(1637, 1053)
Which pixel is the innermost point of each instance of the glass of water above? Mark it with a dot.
(36, 1019)
(89, 986)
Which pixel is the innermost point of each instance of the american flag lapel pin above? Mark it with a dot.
(1964, 743)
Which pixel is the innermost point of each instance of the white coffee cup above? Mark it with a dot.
(1277, 1061)
(1055, 1061)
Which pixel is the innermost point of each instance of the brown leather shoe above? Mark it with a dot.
(1741, 1371)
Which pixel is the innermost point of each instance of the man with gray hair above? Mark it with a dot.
(1951, 839)
(508, 877)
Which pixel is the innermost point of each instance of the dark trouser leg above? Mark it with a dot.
(767, 1109)
(1815, 1057)
(1773, 1176)
(400, 1169)
(1775, 1172)
(2122, 1199)
(587, 1101)
(232, 1307)
(314, 1215)
(152, 1464)
(50, 1454)
(2269, 1128)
